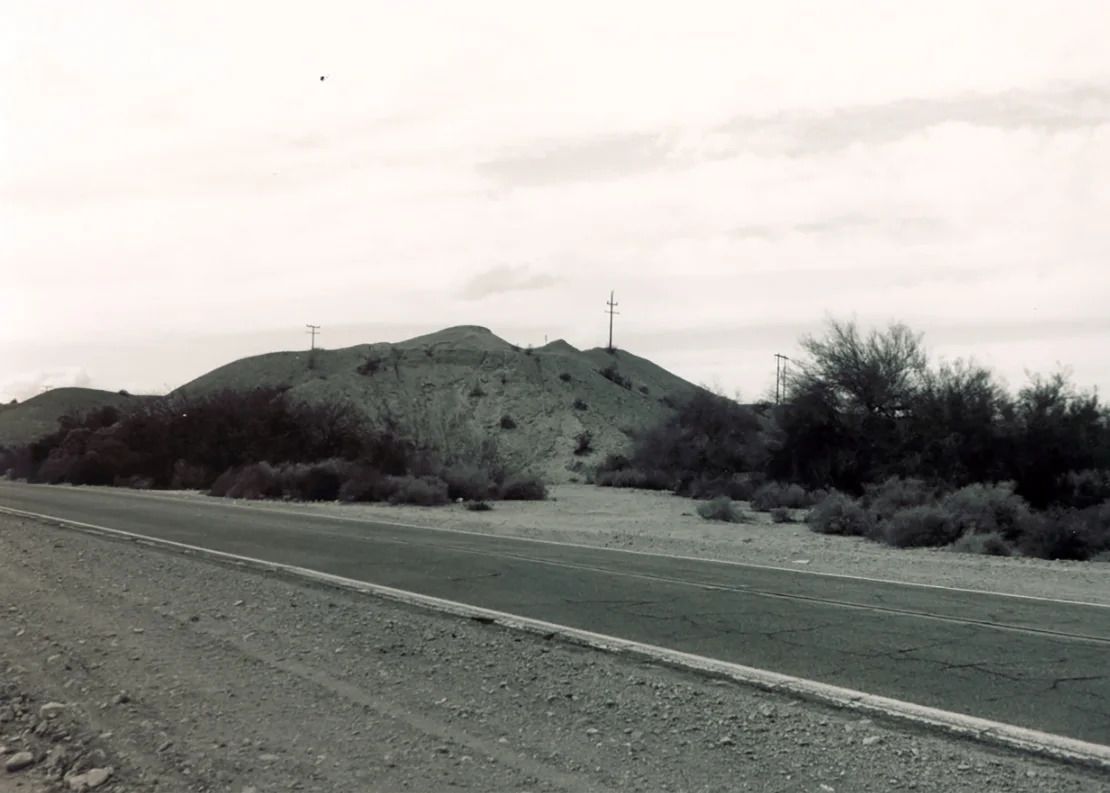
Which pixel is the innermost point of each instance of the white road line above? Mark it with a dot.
(1009, 735)
(750, 565)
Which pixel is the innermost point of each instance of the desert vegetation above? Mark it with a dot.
(261, 444)
(885, 445)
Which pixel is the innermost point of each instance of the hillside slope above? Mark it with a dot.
(465, 382)
(38, 416)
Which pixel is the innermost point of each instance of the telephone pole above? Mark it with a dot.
(780, 378)
(313, 329)
(610, 311)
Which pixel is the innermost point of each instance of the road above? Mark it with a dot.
(1034, 663)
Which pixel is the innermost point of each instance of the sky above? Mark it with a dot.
(179, 188)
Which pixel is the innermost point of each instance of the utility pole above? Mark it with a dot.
(612, 305)
(780, 378)
(313, 329)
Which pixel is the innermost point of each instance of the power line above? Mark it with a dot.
(612, 305)
(313, 329)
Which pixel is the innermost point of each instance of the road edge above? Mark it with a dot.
(1056, 747)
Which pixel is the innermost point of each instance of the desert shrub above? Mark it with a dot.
(134, 482)
(777, 494)
(522, 488)
(507, 422)
(781, 515)
(478, 506)
(986, 509)
(583, 443)
(613, 375)
(565, 377)
(1081, 489)
(644, 390)
(468, 482)
(476, 392)
(313, 481)
(895, 494)
(925, 525)
(721, 509)
(423, 491)
(838, 513)
(187, 476)
(580, 404)
(990, 544)
(363, 483)
(370, 366)
(738, 487)
(634, 477)
(1056, 534)
(253, 481)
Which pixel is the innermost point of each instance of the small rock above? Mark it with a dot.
(19, 761)
(51, 709)
(90, 780)
(726, 740)
(268, 758)
(592, 731)
(238, 603)
(871, 740)
(137, 630)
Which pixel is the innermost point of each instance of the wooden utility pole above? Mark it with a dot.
(610, 311)
(780, 378)
(313, 329)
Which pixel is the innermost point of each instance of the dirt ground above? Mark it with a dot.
(184, 675)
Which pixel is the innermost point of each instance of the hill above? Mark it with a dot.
(38, 416)
(466, 382)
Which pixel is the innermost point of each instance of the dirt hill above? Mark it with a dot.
(465, 382)
(39, 415)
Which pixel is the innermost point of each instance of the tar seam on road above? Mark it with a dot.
(1045, 744)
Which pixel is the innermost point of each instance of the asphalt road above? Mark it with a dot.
(1033, 663)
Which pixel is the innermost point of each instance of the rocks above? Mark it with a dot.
(51, 709)
(90, 780)
(18, 762)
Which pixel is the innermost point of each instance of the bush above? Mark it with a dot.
(1057, 534)
(313, 481)
(254, 481)
(986, 509)
(363, 483)
(522, 488)
(583, 443)
(478, 506)
(776, 494)
(990, 544)
(644, 390)
(738, 487)
(468, 482)
(423, 491)
(633, 477)
(187, 476)
(721, 509)
(921, 526)
(580, 404)
(781, 515)
(1085, 488)
(565, 377)
(370, 366)
(896, 494)
(507, 422)
(611, 374)
(841, 514)
(476, 392)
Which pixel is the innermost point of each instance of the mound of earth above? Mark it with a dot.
(465, 383)
(26, 421)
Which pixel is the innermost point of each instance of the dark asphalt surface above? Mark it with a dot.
(1037, 664)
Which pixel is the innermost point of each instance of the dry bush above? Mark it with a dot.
(424, 491)
(777, 494)
(721, 509)
(583, 443)
(478, 506)
(990, 544)
(987, 509)
(633, 477)
(468, 482)
(841, 514)
(895, 494)
(926, 525)
(522, 487)
(781, 515)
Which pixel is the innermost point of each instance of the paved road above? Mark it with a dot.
(1032, 663)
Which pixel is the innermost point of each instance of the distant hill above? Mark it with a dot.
(535, 402)
(38, 416)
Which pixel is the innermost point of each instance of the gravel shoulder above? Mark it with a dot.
(640, 520)
(186, 675)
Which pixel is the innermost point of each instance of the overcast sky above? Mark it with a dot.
(179, 188)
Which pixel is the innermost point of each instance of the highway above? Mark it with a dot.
(1033, 663)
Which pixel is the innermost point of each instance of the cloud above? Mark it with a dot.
(903, 229)
(805, 133)
(505, 279)
(577, 159)
(28, 384)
